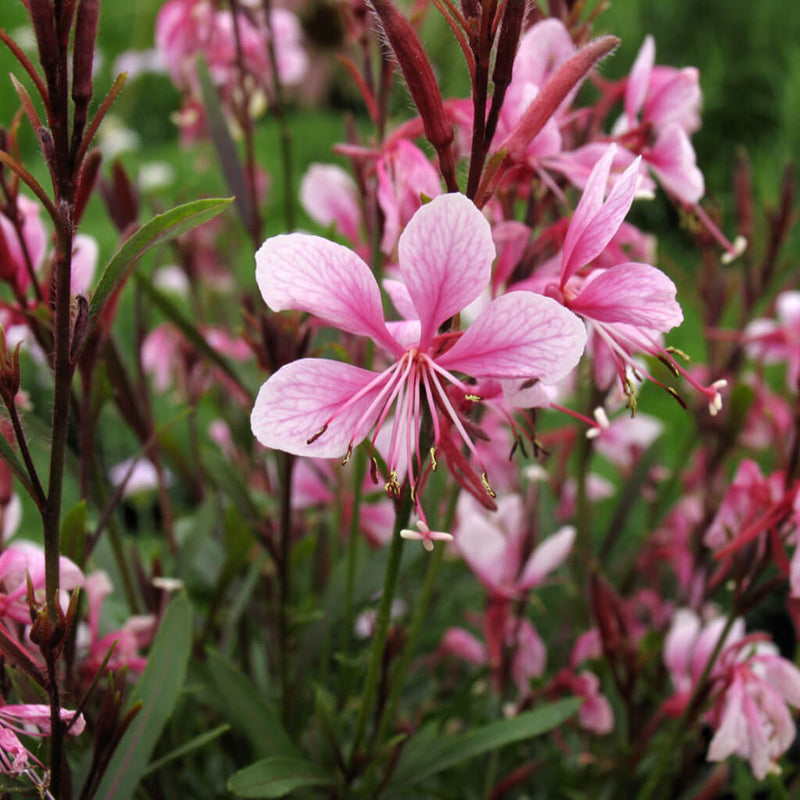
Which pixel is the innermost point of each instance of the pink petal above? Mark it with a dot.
(309, 273)
(546, 557)
(637, 294)
(680, 641)
(401, 299)
(639, 79)
(673, 160)
(677, 100)
(461, 643)
(595, 222)
(302, 397)
(445, 257)
(84, 264)
(481, 544)
(329, 196)
(542, 50)
(784, 677)
(520, 335)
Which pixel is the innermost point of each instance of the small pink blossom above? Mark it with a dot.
(497, 548)
(778, 341)
(323, 408)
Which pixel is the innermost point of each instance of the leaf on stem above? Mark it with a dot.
(234, 696)
(427, 755)
(157, 691)
(276, 777)
(160, 229)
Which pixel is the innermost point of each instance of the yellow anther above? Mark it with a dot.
(434, 462)
(346, 459)
(674, 351)
(393, 485)
(485, 481)
(317, 434)
(473, 398)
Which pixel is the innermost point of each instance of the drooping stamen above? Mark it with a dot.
(732, 249)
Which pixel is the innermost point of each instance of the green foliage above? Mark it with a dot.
(276, 777)
(157, 690)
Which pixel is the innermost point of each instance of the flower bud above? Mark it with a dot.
(418, 74)
(560, 84)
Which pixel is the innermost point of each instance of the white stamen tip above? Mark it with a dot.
(738, 247)
(715, 404)
(602, 423)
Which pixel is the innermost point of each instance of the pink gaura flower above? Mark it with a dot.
(498, 550)
(626, 307)
(662, 107)
(21, 559)
(776, 341)
(323, 408)
(30, 719)
(752, 687)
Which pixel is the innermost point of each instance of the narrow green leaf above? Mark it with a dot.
(226, 149)
(426, 754)
(235, 697)
(276, 777)
(160, 229)
(193, 744)
(189, 330)
(158, 691)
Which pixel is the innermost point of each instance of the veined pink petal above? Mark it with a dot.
(546, 557)
(634, 293)
(445, 256)
(520, 335)
(401, 299)
(299, 399)
(594, 222)
(309, 273)
(673, 160)
(639, 79)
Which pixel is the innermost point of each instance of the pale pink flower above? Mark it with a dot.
(13, 267)
(405, 178)
(32, 719)
(506, 634)
(625, 440)
(330, 197)
(93, 646)
(23, 558)
(778, 341)
(662, 107)
(497, 549)
(85, 253)
(750, 713)
(595, 714)
(323, 408)
(628, 306)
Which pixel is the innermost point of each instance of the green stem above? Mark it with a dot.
(383, 619)
(359, 465)
(417, 623)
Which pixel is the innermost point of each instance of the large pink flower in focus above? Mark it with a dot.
(323, 408)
